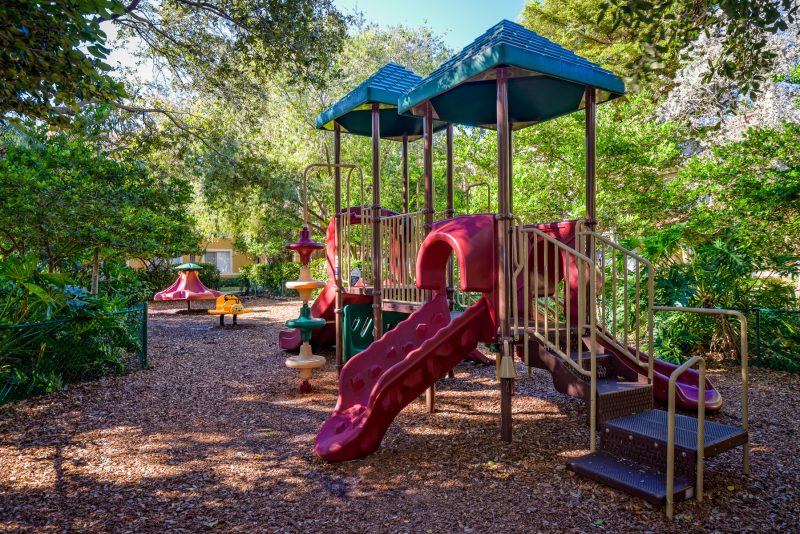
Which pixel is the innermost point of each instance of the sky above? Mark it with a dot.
(457, 21)
(461, 21)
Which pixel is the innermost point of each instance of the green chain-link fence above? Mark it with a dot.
(774, 338)
(44, 357)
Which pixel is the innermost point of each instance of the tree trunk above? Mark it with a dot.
(95, 271)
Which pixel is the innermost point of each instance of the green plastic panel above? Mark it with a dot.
(359, 327)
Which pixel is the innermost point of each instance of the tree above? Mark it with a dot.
(65, 196)
(51, 56)
(744, 28)
(53, 51)
(248, 174)
(714, 107)
(574, 24)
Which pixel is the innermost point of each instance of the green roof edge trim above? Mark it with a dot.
(384, 87)
(510, 44)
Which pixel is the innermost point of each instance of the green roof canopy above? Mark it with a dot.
(384, 87)
(546, 80)
(188, 267)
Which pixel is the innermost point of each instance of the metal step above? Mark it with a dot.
(640, 481)
(651, 425)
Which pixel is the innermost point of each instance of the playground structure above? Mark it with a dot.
(305, 362)
(228, 305)
(560, 296)
(187, 287)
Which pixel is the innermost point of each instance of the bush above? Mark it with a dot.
(270, 278)
(209, 275)
(157, 275)
(53, 332)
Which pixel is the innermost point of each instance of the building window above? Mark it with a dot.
(221, 258)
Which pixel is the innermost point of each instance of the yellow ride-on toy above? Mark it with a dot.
(228, 305)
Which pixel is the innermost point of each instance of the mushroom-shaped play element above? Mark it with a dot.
(305, 362)
(187, 287)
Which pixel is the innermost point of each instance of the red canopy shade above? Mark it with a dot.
(187, 287)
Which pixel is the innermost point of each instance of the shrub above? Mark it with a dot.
(53, 332)
(209, 275)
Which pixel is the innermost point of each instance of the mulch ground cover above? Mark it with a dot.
(215, 436)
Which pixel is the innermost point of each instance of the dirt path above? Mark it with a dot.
(215, 437)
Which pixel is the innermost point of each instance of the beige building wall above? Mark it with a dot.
(218, 251)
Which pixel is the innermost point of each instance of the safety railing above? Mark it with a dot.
(701, 421)
(745, 395)
(401, 237)
(624, 299)
(355, 261)
(554, 308)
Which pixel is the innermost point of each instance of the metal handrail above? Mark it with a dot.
(329, 166)
(488, 195)
(399, 271)
(521, 257)
(623, 346)
(744, 364)
(701, 421)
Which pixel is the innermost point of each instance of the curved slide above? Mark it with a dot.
(377, 383)
(380, 381)
(686, 387)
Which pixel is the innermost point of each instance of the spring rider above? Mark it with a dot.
(305, 362)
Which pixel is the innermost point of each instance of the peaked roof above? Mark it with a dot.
(546, 80)
(384, 87)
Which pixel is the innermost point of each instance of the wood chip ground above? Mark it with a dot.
(215, 436)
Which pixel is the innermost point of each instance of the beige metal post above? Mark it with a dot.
(377, 305)
(507, 370)
(337, 194)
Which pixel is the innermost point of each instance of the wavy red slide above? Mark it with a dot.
(687, 391)
(380, 381)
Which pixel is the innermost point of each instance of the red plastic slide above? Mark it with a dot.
(380, 381)
(686, 390)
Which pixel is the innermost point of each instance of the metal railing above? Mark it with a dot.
(44, 357)
(745, 400)
(624, 300)
(401, 237)
(701, 421)
(554, 310)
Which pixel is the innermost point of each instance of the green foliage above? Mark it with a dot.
(729, 239)
(53, 332)
(663, 25)
(209, 275)
(52, 57)
(574, 25)
(270, 278)
(156, 275)
(65, 195)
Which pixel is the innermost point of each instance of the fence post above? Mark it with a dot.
(143, 355)
(758, 336)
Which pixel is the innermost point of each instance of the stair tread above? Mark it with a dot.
(607, 386)
(652, 424)
(638, 480)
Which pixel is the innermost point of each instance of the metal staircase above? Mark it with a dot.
(583, 310)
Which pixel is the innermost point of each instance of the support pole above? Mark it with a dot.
(591, 180)
(427, 135)
(95, 271)
(506, 371)
(377, 306)
(591, 150)
(449, 212)
(405, 173)
(337, 194)
(427, 128)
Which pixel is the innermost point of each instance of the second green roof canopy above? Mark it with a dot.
(354, 111)
(546, 80)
